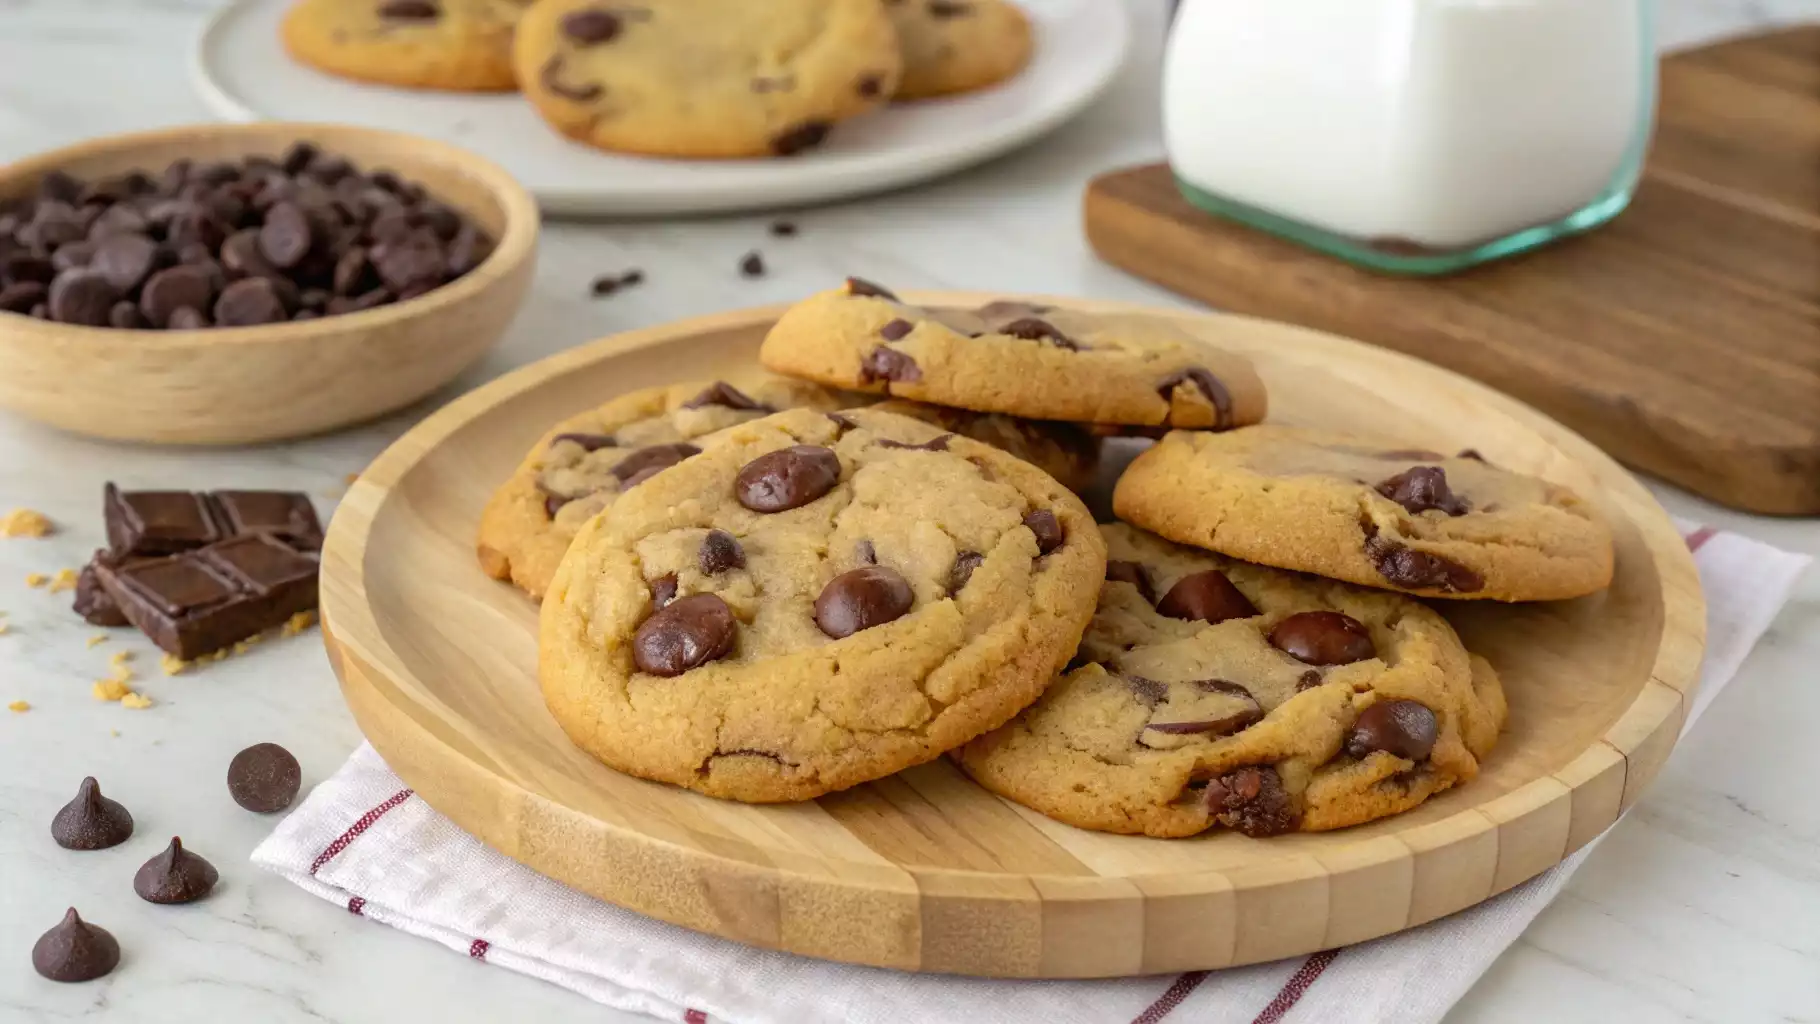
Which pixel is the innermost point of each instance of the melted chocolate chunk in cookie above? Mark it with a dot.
(588, 442)
(1048, 530)
(1034, 329)
(590, 27)
(1209, 385)
(641, 464)
(860, 599)
(1252, 801)
(1422, 489)
(1417, 570)
(723, 394)
(719, 552)
(1403, 728)
(889, 364)
(804, 136)
(1323, 638)
(1207, 596)
(789, 478)
(686, 633)
(862, 288)
(964, 564)
(896, 329)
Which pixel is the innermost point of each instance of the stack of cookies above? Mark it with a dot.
(771, 589)
(684, 78)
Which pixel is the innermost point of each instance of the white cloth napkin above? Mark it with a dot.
(363, 841)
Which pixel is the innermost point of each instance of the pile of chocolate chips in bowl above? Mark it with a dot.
(198, 245)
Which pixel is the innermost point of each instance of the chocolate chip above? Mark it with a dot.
(1033, 329)
(73, 255)
(1417, 570)
(588, 442)
(1471, 453)
(1403, 728)
(1323, 638)
(1251, 801)
(632, 277)
(82, 297)
(590, 27)
(26, 267)
(264, 778)
(550, 75)
(410, 10)
(1210, 386)
(934, 444)
(654, 458)
(122, 219)
(1410, 455)
(889, 364)
(1308, 681)
(417, 261)
(287, 235)
(249, 301)
(787, 479)
(722, 393)
(1225, 725)
(353, 273)
(663, 590)
(75, 951)
(1048, 530)
(60, 186)
(948, 9)
(859, 287)
(41, 311)
(1206, 596)
(125, 316)
(683, 634)
(869, 86)
(1421, 489)
(1134, 574)
(783, 229)
(804, 136)
(861, 598)
(173, 288)
(125, 260)
(604, 285)
(964, 564)
(175, 876)
(752, 265)
(188, 318)
(719, 552)
(553, 503)
(91, 821)
(896, 329)
(21, 296)
(1150, 691)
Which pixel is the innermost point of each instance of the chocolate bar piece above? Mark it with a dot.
(196, 602)
(166, 522)
(92, 600)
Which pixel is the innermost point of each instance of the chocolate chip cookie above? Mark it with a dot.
(1016, 358)
(816, 601)
(461, 45)
(953, 46)
(1062, 450)
(706, 78)
(1209, 692)
(583, 464)
(1369, 513)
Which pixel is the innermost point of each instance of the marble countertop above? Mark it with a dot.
(1704, 905)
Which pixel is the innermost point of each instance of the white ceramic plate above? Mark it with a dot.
(242, 72)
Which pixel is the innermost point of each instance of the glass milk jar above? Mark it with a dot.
(1415, 136)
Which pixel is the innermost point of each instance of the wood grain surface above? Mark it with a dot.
(926, 871)
(250, 384)
(1683, 338)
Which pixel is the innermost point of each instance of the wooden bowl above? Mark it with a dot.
(247, 384)
(925, 870)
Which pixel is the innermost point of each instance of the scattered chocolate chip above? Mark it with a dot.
(783, 229)
(410, 10)
(1048, 530)
(683, 634)
(860, 599)
(859, 287)
(1323, 638)
(588, 442)
(752, 265)
(896, 329)
(1308, 681)
(1132, 573)
(788, 478)
(663, 590)
(1210, 386)
(722, 393)
(889, 364)
(964, 564)
(264, 778)
(1403, 728)
(175, 876)
(1033, 329)
(91, 821)
(590, 27)
(656, 457)
(82, 297)
(632, 277)
(604, 285)
(1251, 801)
(250, 301)
(934, 444)
(1206, 596)
(75, 951)
(287, 236)
(804, 136)
(1421, 489)
(719, 552)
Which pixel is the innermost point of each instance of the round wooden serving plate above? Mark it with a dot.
(926, 871)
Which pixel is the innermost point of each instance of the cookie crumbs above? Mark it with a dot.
(115, 733)
(23, 522)
(299, 622)
(110, 690)
(19, 707)
(97, 640)
(136, 701)
(172, 665)
(119, 658)
(36, 580)
(350, 479)
(66, 579)
(3, 628)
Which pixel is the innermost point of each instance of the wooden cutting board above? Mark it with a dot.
(1683, 338)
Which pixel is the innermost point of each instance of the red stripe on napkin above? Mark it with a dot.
(1296, 987)
(694, 1017)
(1697, 539)
(478, 949)
(356, 905)
(1171, 998)
(366, 821)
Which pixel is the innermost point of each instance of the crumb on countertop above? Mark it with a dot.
(23, 522)
(119, 658)
(109, 689)
(4, 627)
(350, 479)
(36, 580)
(19, 707)
(299, 622)
(66, 579)
(136, 701)
(97, 640)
